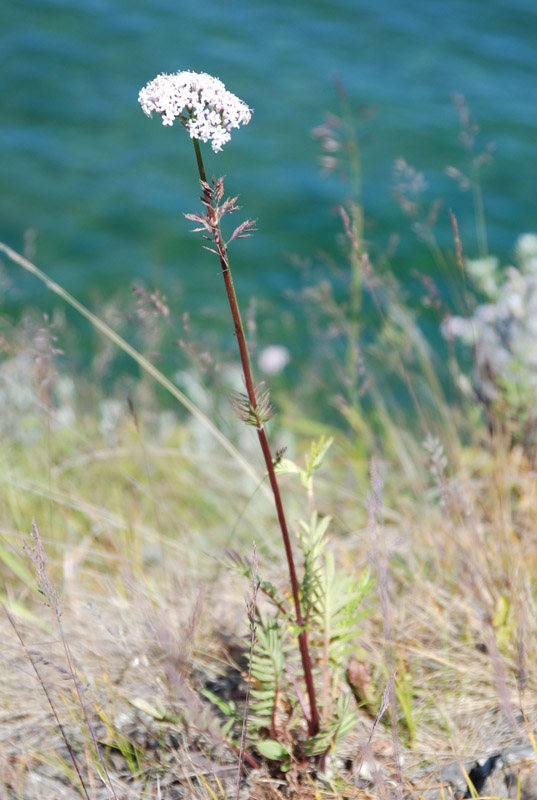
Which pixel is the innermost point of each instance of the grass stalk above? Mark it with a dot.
(38, 557)
(142, 362)
(48, 696)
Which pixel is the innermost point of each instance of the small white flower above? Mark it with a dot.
(273, 359)
(456, 328)
(526, 251)
(486, 275)
(200, 102)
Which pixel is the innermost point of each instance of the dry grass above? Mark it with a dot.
(131, 530)
(135, 509)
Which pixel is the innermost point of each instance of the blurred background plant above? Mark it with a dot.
(501, 335)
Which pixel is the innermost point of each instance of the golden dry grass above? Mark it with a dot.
(134, 515)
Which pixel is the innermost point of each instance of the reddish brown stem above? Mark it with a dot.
(313, 721)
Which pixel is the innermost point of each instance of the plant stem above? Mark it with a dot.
(479, 211)
(313, 721)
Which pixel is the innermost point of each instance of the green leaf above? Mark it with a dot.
(156, 711)
(229, 709)
(318, 451)
(345, 719)
(226, 728)
(286, 467)
(262, 695)
(273, 750)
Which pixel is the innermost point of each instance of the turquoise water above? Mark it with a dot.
(104, 188)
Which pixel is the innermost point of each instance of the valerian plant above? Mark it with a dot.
(322, 614)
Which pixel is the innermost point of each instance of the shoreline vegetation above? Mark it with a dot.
(153, 646)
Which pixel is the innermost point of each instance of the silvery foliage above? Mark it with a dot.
(502, 332)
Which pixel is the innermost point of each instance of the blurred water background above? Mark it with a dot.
(103, 188)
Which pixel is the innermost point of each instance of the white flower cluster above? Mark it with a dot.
(503, 332)
(199, 101)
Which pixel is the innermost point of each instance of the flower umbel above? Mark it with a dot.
(200, 102)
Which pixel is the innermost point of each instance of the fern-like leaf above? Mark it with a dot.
(313, 543)
(317, 453)
(336, 612)
(267, 675)
(345, 718)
